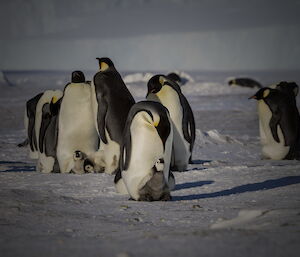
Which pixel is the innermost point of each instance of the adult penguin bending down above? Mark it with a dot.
(146, 154)
(279, 124)
(167, 92)
(111, 104)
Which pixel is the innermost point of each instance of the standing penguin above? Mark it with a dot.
(278, 124)
(167, 92)
(111, 104)
(76, 128)
(146, 153)
(48, 137)
(33, 119)
(29, 121)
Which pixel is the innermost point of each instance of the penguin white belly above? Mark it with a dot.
(146, 150)
(76, 126)
(110, 153)
(270, 148)
(181, 148)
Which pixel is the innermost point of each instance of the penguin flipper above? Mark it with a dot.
(31, 112)
(102, 110)
(274, 125)
(188, 123)
(46, 118)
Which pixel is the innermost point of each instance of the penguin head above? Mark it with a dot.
(175, 77)
(78, 77)
(78, 155)
(288, 88)
(156, 83)
(231, 82)
(88, 166)
(261, 94)
(105, 63)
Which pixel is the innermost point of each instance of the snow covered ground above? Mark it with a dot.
(229, 203)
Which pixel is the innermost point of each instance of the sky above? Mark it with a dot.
(215, 35)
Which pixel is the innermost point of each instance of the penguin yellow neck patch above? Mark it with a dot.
(155, 124)
(162, 80)
(266, 93)
(54, 99)
(103, 66)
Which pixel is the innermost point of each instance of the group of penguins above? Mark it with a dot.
(96, 126)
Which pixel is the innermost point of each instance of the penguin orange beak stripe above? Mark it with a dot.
(252, 97)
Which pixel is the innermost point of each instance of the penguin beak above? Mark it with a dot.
(252, 97)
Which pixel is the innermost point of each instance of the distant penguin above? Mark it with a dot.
(175, 77)
(278, 124)
(244, 82)
(111, 104)
(163, 90)
(47, 161)
(146, 154)
(76, 127)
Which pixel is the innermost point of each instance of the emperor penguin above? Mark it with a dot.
(111, 104)
(167, 92)
(77, 135)
(146, 154)
(278, 124)
(29, 124)
(244, 82)
(47, 161)
(33, 119)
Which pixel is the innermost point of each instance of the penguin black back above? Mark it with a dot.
(114, 99)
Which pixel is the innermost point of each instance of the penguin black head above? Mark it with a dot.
(105, 63)
(175, 77)
(78, 155)
(290, 88)
(156, 83)
(261, 94)
(88, 166)
(231, 82)
(78, 77)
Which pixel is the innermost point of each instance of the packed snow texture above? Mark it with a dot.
(228, 203)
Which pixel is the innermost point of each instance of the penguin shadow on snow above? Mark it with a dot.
(192, 184)
(16, 167)
(259, 186)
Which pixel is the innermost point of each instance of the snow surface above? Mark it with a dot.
(229, 202)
